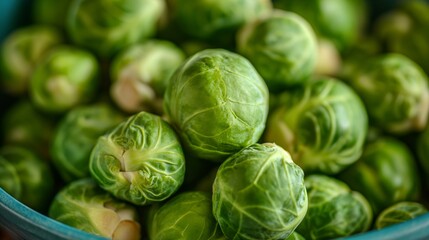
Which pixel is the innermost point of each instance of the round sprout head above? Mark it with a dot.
(385, 174)
(186, 216)
(35, 134)
(404, 105)
(67, 77)
(140, 161)
(21, 51)
(282, 46)
(85, 206)
(340, 21)
(334, 210)
(259, 193)
(218, 103)
(77, 134)
(322, 124)
(106, 27)
(399, 212)
(26, 177)
(214, 20)
(141, 73)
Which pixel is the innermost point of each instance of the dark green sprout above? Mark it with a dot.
(26, 177)
(77, 134)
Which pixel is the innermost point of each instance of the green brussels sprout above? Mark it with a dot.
(26, 177)
(35, 134)
(385, 174)
(403, 106)
(67, 77)
(218, 103)
(188, 215)
(140, 75)
(259, 193)
(322, 124)
(282, 47)
(85, 206)
(21, 51)
(50, 12)
(404, 29)
(106, 27)
(340, 21)
(140, 160)
(334, 210)
(77, 134)
(399, 212)
(217, 21)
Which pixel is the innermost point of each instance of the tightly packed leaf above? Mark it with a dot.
(77, 134)
(106, 27)
(331, 207)
(188, 215)
(140, 161)
(218, 103)
(259, 193)
(323, 125)
(282, 46)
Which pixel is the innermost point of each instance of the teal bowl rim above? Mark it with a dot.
(27, 221)
(32, 222)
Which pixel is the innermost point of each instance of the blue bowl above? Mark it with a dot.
(23, 222)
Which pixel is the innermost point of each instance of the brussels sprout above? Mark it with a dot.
(67, 77)
(21, 51)
(322, 124)
(26, 177)
(334, 210)
(340, 21)
(186, 216)
(23, 125)
(395, 92)
(140, 160)
(106, 27)
(217, 21)
(140, 75)
(399, 212)
(282, 47)
(404, 29)
(218, 103)
(85, 206)
(385, 174)
(77, 134)
(259, 193)
(50, 12)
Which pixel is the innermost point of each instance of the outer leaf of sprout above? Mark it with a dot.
(322, 124)
(186, 216)
(259, 193)
(77, 134)
(83, 205)
(218, 103)
(140, 161)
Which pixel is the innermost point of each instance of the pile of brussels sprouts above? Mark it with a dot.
(226, 119)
